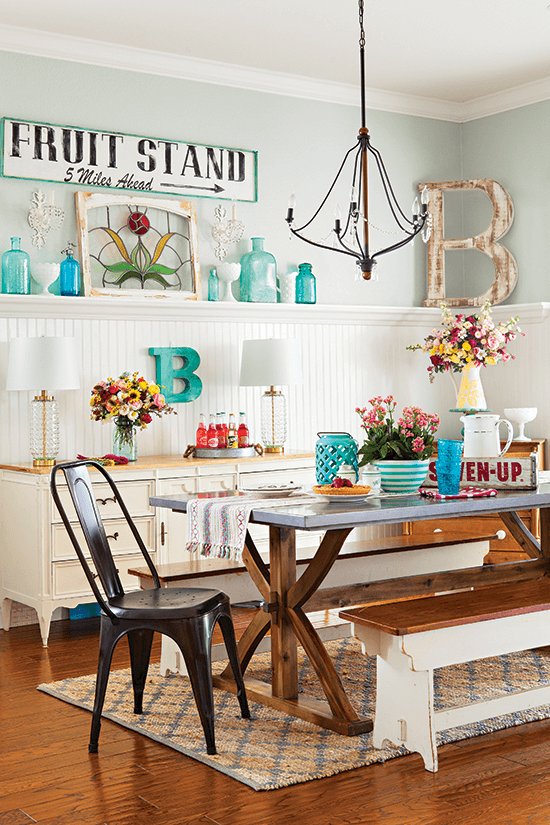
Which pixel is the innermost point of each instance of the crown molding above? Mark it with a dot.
(175, 309)
(513, 98)
(128, 58)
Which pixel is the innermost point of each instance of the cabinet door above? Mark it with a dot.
(172, 526)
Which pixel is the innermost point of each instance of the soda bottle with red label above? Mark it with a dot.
(242, 432)
(212, 434)
(201, 439)
(220, 429)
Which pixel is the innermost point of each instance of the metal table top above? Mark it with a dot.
(322, 515)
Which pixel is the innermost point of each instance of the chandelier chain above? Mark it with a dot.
(361, 27)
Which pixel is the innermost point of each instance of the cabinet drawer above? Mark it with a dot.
(211, 484)
(69, 578)
(135, 495)
(483, 524)
(121, 540)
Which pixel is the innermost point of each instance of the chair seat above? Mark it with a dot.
(166, 603)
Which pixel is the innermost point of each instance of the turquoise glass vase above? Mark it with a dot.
(16, 270)
(69, 274)
(258, 279)
(306, 292)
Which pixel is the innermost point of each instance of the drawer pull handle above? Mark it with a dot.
(105, 500)
(114, 537)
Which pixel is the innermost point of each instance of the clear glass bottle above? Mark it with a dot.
(258, 279)
(213, 286)
(69, 273)
(306, 292)
(232, 437)
(16, 270)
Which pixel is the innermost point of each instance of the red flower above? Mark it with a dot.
(146, 418)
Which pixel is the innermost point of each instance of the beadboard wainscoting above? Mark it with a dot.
(349, 354)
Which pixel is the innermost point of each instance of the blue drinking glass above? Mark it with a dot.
(448, 466)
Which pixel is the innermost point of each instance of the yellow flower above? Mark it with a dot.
(466, 346)
(154, 389)
(490, 361)
(143, 385)
(455, 359)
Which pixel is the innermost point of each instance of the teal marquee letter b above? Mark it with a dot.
(166, 373)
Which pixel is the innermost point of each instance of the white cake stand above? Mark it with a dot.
(45, 274)
(228, 273)
(522, 416)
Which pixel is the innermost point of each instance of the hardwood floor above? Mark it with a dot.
(47, 775)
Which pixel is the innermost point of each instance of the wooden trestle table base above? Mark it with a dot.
(287, 599)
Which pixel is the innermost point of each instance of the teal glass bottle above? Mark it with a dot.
(69, 273)
(258, 279)
(213, 286)
(306, 291)
(16, 270)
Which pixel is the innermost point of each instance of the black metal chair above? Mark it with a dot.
(187, 614)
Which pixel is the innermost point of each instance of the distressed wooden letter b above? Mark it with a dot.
(506, 272)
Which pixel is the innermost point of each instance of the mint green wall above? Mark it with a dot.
(300, 146)
(512, 148)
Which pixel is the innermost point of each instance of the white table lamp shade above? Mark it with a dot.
(42, 364)
(271, 362)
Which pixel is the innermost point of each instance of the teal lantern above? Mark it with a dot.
(331, 451)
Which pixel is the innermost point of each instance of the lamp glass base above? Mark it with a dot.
(44, 431)
(273, 421)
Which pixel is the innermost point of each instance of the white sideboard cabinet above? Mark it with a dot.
(38, 565)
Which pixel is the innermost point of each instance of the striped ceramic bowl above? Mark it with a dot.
(402, 476)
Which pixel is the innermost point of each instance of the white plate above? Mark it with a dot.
(343, 498)
(272, 490)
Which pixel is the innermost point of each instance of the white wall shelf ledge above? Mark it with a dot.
(142, 309)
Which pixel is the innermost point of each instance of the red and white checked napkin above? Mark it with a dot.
(465, 492)
(217, 527)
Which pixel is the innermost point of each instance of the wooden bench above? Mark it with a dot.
(410, 638)
(388, 559)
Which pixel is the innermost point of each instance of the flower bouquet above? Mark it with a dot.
(410, 438)
(468, 340)
(130, 401)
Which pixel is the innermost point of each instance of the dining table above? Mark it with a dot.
(286, 599)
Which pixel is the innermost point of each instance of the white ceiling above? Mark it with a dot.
(448, 51)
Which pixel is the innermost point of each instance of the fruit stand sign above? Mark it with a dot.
(112, 160)
(514, 472)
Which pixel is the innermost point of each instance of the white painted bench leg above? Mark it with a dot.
(404, 704)
(6, 613)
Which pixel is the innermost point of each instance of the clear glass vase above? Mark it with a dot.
(16, 270)
(125, 439)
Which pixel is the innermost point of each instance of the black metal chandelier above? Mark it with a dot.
(352, 237)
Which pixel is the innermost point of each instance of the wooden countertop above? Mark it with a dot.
(152, 462)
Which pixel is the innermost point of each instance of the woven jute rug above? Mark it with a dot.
(272, 750)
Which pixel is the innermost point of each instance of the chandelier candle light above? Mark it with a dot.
(352, 238)
(274, 362)
(43, 362)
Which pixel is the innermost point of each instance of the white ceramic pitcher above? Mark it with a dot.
(482, 436)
